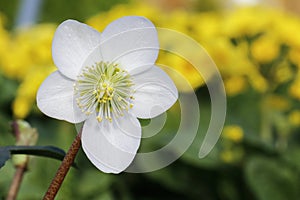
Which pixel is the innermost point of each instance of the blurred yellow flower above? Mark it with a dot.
(229, 37)
(27, 90)
(286, 28)
(26, 58)
(233, 132)
(247, 21)
(21, 107)
(178, 69)
(100, 21)
(231, 155)
(294, 89)
(222, 52)
(265, 48)
(177, 20)
(256, 28)
(31, 48)
(235, 85)
(294, 118)
(258, 82)
(294, 56)
(205, 26)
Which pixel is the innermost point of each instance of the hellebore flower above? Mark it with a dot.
(107, 80)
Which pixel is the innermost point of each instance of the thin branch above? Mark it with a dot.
(15, 130)
(15, 185)
(20, 169)
(63, 169)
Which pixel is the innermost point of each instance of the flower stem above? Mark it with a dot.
(20, 169)
(15, 185)
(63, 169)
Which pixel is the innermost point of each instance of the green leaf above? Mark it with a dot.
(44, 151)
(292, 156)
(4, 156)
(271, 179)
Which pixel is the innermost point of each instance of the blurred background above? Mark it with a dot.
(256, 46)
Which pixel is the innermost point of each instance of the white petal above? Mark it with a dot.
(155, 93)
(130, 41)
(55, 99)
(72, 43)
(94, 57)
(111, 147)
(104, 168)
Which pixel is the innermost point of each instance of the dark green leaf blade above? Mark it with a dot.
(4, 156)
(44, 151)
(271, 179)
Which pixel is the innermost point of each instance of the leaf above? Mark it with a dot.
(271, 179)
(292, 156)
(44, 151)
(4, 156)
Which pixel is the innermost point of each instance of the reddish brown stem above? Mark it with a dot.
(63, 169)
(20, 169)
(16, 130)
(15, 185)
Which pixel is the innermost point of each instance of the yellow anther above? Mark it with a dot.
(131, 105)
(110, 89)
(99, 118)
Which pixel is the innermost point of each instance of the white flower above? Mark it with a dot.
(108, 80)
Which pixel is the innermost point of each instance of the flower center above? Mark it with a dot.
(104, 88)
